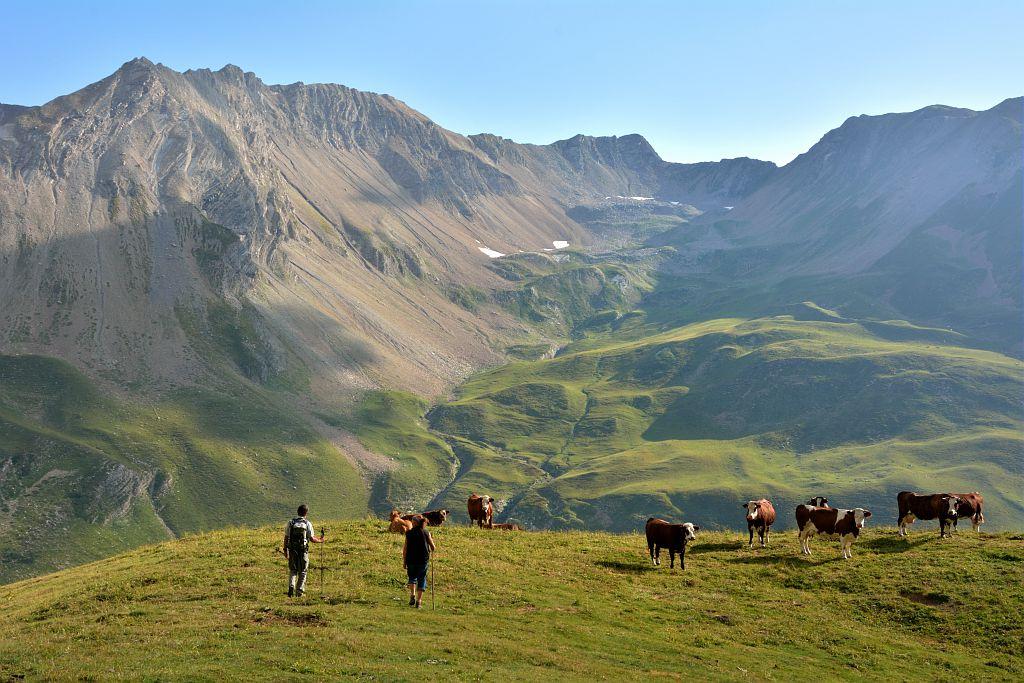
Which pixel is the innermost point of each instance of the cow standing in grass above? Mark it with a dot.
(433, 517)
(941, 506)
(760, 516)
(969, 507)
(831, 522)
(481, 510)
(662, 534)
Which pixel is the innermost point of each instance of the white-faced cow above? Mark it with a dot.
(663, 534)
(481, 510)
(818, 502)
(969, 507)
(941, 506)
(760, 516)
(846, 524)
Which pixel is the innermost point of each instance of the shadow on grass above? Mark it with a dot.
(783, 560)
(892, 544)
(698, 547)
(630, 567)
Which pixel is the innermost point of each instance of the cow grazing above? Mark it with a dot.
(832, 522)
(969, 507)
(662, 534)
(760, 516)
(507, 527)
(481, 510)
(398, 524)
(941, 506)
(433, 517)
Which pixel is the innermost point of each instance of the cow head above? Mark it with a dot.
(818, 502)
(443, 514)
(395, 514)
(949, 506)
(860, 516)
(753, 510)
(690, 531)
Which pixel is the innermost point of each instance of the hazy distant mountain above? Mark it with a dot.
(920, 212)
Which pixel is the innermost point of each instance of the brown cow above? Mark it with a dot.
(803, 512)
(398, 524)
(433, 517)
(481, 510)
(507, 527)
(969, 507)
(829, 521)
(760, 515)
(941, 506)
(662, 534)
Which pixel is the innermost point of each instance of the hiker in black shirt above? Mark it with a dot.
(416, 557)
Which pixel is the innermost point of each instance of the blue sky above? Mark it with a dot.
(701, 80)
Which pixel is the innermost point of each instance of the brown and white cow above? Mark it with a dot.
(433, 517)
(507, 527)
(969, 507)
(941, 506)
(662, 534)
(399, 525)
(831, 522)
(818, 502)
(760, 516)
(481, 510)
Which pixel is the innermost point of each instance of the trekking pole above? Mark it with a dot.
(322, 562)
(433, 586)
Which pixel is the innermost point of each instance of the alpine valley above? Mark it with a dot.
(219, 298)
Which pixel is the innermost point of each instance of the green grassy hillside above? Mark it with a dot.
(95, 473)
(632, 421)
(528, 606)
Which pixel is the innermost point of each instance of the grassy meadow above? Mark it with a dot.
(529, 606)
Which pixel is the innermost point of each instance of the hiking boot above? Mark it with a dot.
(412, 601)
(418, 605)
(300, 593)
(291, 591)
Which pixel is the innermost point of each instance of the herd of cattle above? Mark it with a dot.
(812, 518)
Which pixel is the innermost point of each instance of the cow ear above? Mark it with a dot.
(867, 513)
(696, 528)
(743, 506)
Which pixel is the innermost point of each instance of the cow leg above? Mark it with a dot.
(682, 557)
(657, 555)
(750, 543)
(761, 533)
(767, 535)
(650, 550)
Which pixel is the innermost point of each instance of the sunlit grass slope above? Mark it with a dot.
(528, 606)
(699, 418)
(85, 474)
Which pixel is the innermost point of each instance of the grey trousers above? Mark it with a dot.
(298, 565)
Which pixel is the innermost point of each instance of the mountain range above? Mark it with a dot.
(222, 295)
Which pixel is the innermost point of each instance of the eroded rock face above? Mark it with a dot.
(134, 210)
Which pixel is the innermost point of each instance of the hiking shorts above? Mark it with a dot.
(418, 575)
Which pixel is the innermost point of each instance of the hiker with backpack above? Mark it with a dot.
(298, 534)
(416, 558)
